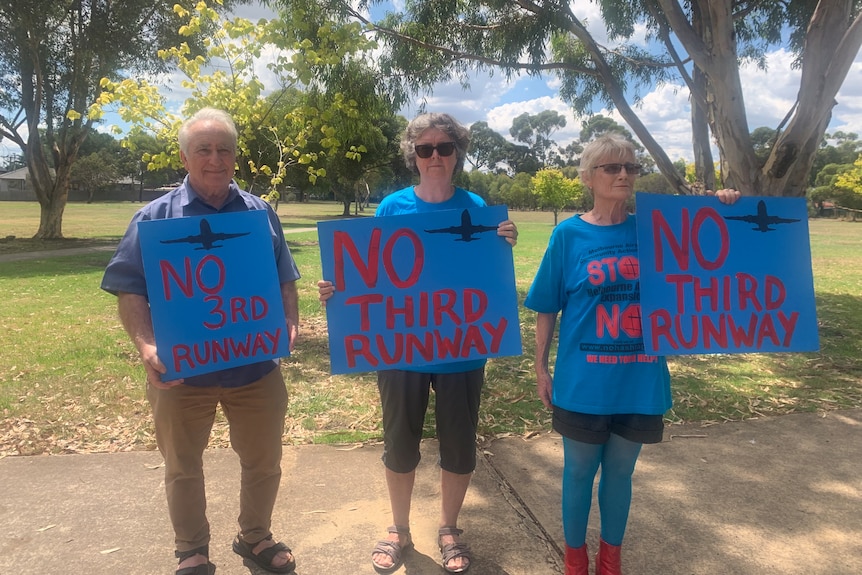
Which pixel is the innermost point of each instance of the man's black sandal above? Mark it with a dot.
(205, 569)
(265, 557)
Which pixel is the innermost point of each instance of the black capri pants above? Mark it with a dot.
(404, 397)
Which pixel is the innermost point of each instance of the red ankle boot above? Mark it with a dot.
(577, 561)
(608, 559)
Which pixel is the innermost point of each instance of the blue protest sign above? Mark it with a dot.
(725, 279)
(419, 289)
(214, 292)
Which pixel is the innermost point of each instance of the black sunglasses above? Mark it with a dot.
(613, 169)
(443, 149)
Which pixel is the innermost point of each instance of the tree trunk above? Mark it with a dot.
(831, 46)
(346, 203)
(704, 165)
(51, 192)
(51, 217)
(617, 94)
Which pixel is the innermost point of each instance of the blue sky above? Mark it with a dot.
(664, 110)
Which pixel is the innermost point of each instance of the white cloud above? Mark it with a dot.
(468, 106)
(770, 94)
(847, 114)
(500, 118)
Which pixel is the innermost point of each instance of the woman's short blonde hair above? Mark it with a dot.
(610, 146)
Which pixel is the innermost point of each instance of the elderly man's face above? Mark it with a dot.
(210, 160)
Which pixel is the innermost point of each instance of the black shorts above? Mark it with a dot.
(596, 429)
(404, 398)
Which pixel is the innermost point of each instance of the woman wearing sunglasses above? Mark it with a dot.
(434, 147)
(604, 410)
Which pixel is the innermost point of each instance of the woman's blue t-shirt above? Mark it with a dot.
(591, 274)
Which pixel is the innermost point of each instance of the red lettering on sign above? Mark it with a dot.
(364, 301)
(418, 258)
(690, 240)
(341, 242)
(187, 281)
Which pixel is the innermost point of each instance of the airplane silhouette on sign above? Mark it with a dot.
(465, 230)
(762, 219)
(207, 238)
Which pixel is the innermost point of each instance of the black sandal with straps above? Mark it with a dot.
(204, 569)
(265, 557)
(454, 550)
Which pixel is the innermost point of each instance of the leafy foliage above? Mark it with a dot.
(700, 44)
(851, 181)
(53, 56)
(307, 51)
(555, 191)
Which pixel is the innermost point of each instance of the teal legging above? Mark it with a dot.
(617, 458)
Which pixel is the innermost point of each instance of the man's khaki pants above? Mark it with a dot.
(184, 417)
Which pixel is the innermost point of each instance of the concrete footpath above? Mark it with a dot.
(771, 496)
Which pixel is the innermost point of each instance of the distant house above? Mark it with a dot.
(15, 185)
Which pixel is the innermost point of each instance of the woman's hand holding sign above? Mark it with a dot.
(726, 196)
(508, 230)
(325, 290)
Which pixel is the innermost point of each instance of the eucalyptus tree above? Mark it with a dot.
(535, 130)
(53, 56)
(488, 148)
(699, 42)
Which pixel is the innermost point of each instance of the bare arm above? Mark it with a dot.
(545, 324)
(290, 301)
(135, 315)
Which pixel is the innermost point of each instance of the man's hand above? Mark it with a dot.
(155, 368)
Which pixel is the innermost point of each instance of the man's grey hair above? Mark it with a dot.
(206, 114)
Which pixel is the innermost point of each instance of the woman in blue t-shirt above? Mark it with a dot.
(607, 395)
(434, 147)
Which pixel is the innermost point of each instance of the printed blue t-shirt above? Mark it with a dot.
(591, 274)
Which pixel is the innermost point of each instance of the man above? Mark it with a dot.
(253, 397)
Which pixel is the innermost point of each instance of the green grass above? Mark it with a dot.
(71, 381)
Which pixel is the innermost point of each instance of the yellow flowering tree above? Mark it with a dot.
(555, 191)
(273, 138)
